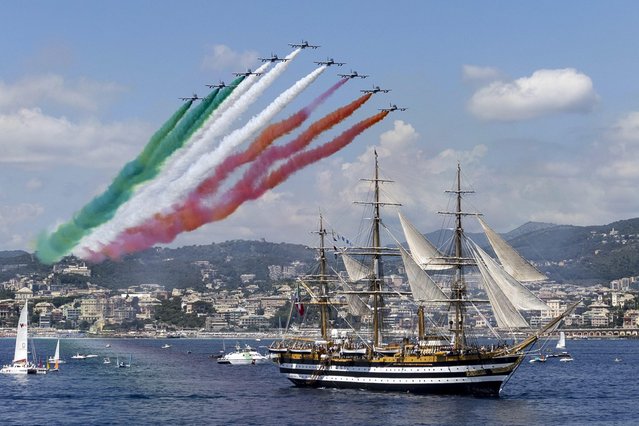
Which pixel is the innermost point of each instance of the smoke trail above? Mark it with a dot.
(164, 228)
(263, 141)
(51, 248)
(167, 190)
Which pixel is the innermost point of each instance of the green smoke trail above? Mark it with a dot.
(170, 137)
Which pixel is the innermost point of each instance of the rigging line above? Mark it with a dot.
(411, 300)
(490, 327)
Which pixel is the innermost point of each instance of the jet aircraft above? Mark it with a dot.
(195, 97)
(330, 61)
(303, 45)
(375, 89)
(247, 73)
(393, 107)
(219, 85)
(353, 74)
(273, 58)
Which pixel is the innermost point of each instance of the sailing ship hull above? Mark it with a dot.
(481, 376)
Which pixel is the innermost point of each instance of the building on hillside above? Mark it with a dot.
(25, 293)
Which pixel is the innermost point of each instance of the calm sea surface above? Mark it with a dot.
(173, 386)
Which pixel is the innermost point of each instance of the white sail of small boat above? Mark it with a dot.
(561, 343)
(21, 363)
(56, 356)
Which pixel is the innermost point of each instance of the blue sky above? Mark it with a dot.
(539, 101)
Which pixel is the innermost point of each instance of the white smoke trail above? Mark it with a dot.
(141, 207)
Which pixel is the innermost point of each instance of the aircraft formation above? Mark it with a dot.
(304, 44)
(197, 169)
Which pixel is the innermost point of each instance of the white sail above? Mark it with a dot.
(21, 353)
(506, 315)
(355, 269)
(56, 356)
(561, 344)
(423, 251)
(512, 262)
(355, 304)
(421, 284)
(519, 295)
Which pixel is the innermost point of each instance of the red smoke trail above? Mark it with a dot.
(195, 213)
(266, 138)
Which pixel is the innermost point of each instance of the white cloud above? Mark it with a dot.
(31, 137)
(544, 92)
(83, 94)
(474, 73)
(222, 58)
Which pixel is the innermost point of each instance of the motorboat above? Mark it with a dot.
(243, 356)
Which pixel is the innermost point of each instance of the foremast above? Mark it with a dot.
(323, 282)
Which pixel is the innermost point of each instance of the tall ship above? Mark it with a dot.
(439, 353)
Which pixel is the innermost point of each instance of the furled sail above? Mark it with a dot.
(519, 295)
(21, 352)
(423, 251)
(421, 284)
(355, 269)
(512, 262)
(506, 315)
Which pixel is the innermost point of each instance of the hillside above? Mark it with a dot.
(563, 252)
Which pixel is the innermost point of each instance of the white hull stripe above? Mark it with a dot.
(396, 381)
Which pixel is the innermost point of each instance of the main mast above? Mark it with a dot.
(459, 283)
(376, 252)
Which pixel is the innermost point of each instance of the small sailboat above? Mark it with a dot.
(561, 343)
(107, 360)
(56, 358)
(21, 363)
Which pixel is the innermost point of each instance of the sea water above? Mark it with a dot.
(184, 385)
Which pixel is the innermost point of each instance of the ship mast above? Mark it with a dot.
(377, 252)
(377, 263)
(459, 284)
(323, 282)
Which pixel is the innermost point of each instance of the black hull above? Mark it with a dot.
(479, 376)
(486, 389)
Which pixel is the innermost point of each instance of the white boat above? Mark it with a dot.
(21, 363)
(243, 356)
(91, 356)
(166, 346)
(566, 359)
(107, 360)
(122, 364)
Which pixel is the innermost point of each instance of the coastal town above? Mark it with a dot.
(62, 305)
